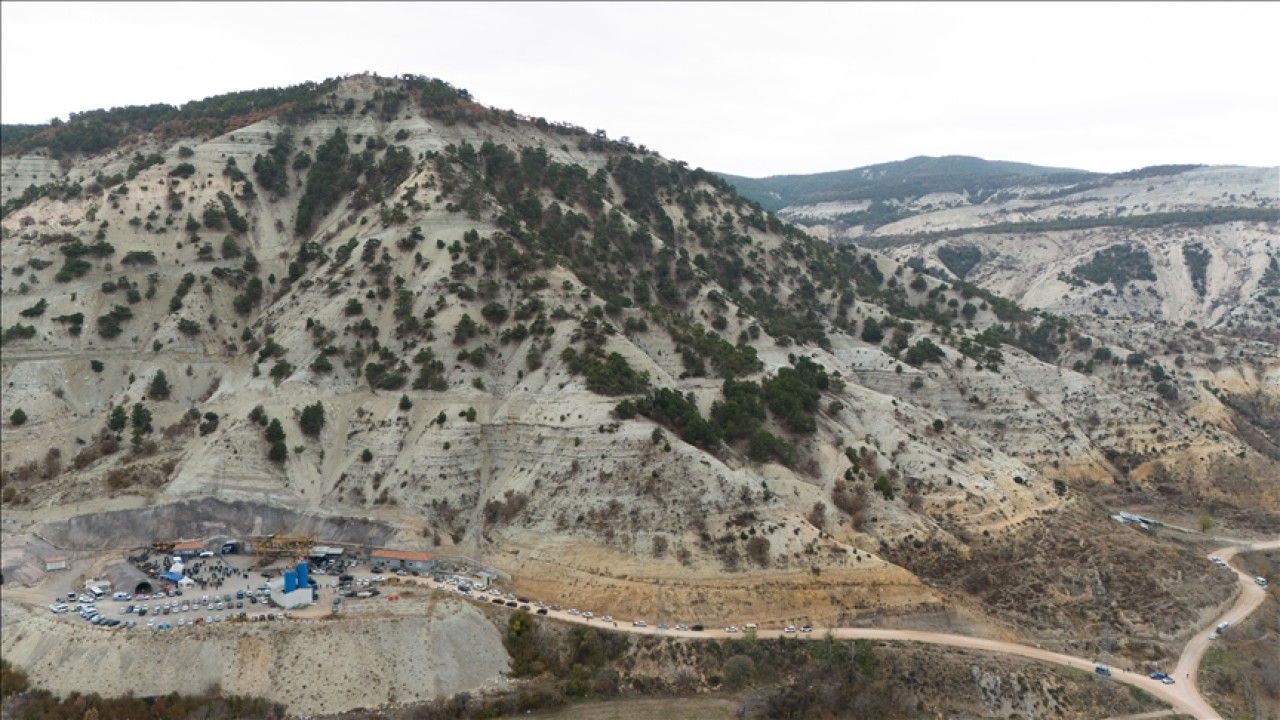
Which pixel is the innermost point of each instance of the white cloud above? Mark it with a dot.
(747, 88)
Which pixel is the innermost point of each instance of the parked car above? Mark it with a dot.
(58, 608)
(1102, 670)
(806, 629)
(696, 628)
(789, 629)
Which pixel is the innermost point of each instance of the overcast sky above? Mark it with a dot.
(746, 88)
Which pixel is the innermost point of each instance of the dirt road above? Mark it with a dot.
(1251, 596)
(1184, 695)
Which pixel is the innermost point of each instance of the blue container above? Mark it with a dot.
(290, 581)
(302, 574)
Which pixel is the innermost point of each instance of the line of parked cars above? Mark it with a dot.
(497, 597)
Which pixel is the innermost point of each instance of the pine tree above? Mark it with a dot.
(118, 420)
(159, 388)
(275, 432)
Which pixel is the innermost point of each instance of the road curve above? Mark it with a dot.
(1183, 696)
(1251, 596)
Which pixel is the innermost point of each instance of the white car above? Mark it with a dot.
(639, 623)
(573, 611)
(682, 627)
(588, 615)
(731, 629)
(789, 629)
(58, 608)
(1213, 636)
(607, 618)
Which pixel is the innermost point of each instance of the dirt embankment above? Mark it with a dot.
(207, 517)
(310, 666)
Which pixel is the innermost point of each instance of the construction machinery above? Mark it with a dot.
(278, 545)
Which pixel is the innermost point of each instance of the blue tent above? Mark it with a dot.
(171, 576)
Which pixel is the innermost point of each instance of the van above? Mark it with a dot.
(1260, 581)
(749, 627)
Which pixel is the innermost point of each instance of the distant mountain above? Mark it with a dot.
(913, 177)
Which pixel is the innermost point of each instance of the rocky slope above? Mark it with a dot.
(514, 340)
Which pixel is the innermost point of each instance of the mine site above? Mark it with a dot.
(370, 397)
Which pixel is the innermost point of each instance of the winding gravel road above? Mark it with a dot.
(1184, 695)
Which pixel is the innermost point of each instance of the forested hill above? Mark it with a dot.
(914, 177)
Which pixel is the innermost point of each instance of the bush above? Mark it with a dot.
(109, 324)
(35, 310)
(871, 331)
(922, 352)
(312, 419)
(739, 672)
(278, 453)
(18, 417)
(17, 332)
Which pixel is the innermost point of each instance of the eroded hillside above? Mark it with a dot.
(567, 357)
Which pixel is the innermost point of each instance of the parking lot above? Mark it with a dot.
(169, 610)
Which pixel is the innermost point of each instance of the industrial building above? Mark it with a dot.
(401, 560)
(295, 590)
(188, 549)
